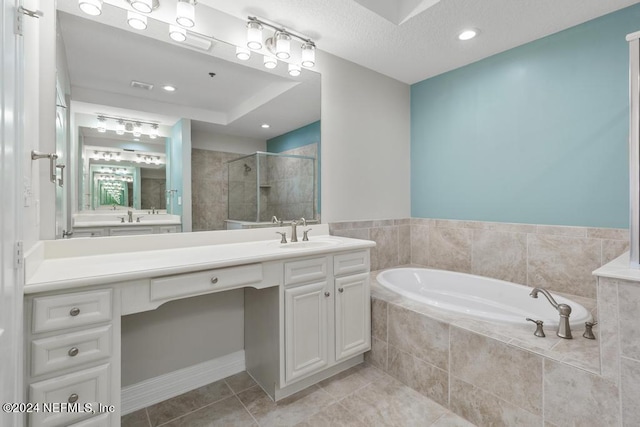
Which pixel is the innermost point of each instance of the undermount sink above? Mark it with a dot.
(319, 243)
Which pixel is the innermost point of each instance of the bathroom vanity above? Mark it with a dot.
(307, 309)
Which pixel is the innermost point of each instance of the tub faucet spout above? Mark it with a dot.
(564, 329)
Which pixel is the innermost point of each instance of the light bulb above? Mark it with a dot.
(185, 14)
(308, 55)
(467, 34)
(102, 127)
(120, 127)
(294, 70)
(243, 54)
(144, 6)
(270, 62)
(154, 132)
(91, 7)
(136, 21)
(283, 44)
(254, 35)
(177, 33)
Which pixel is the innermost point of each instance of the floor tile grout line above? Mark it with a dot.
(148, 417)
(247, 409)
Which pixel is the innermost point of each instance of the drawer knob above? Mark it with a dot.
(214, 280)
(74, 311)
(73, 351)
(341, 290)
(73, 398)
(327, 294)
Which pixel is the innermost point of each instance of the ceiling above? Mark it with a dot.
(411, 40)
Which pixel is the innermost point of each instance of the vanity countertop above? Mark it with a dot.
(67, 264)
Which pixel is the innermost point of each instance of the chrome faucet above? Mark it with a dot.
(294, 228)
(564, 329)
(130, 214)
(275, 220)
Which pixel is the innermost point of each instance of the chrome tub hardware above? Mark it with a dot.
(539, 331)
(588, 330)
(305, 235)
(564, 329)
(284, 236)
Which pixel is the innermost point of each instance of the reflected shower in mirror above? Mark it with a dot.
(221, 109)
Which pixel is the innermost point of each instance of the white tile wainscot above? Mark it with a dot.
(307, 311)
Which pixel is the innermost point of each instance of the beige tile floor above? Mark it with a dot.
(361, 396)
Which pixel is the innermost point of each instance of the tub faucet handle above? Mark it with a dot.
(588, 332)
(539, 331)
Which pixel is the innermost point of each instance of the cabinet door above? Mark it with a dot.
(305, 324)
(353, 316)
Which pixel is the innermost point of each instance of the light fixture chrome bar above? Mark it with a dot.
(277, 28)
(127, 120)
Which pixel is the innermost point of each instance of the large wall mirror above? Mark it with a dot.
(231, 146)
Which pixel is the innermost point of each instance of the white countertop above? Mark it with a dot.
(67, 264)
(111, 223)
(619, 268)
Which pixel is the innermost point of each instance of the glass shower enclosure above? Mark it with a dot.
(263, 185)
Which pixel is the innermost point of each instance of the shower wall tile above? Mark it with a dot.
(629, 305)
(419, 336)
(564, 264)
(353, 233)
(565, 385)
(485, 409)
(450, 249)
(386, 252)
(419, 375)
(379, 310)
(507, 372)
(608, 233)
(500, 255)
(404, 244)
(612, 249)
(567, 231)
(419, 244)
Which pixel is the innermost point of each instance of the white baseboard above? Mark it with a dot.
(163, 387)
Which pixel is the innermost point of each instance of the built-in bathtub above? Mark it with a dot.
(478, 297)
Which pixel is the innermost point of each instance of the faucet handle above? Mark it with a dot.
(588, 332)
(138, 218)
(284, 236)
(539, 331)
(305, 235)
(121, 218)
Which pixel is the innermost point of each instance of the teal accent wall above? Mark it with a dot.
(300, 137)
(175, 162)
(537, 134)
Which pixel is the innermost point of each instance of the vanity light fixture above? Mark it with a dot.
(308, 54)
(136, 21)
(120, 127)
(468, 34)
(242, 53)
(142, 6)
(177, 33)
(280, 43)
(136, 130)
(169, 88)
(154, 131)
(254, 35)
(102, 127)
(294, 70)
(270, 62)
(186, 13)
(91, 7)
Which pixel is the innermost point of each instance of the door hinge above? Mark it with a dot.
(19, 255)
(17, 24)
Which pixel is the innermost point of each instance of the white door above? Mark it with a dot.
(353, 316)
(306, 328)
(11, 159)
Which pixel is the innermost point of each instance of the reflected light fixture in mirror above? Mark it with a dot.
(177, 33)
(294, 70)
(186, 13)
(91, 7)
(243, 54)
(270, 62)
(136, 21)
(308, 55)
(154, 132)
(102, 126)
(142, 6)
(120, 127)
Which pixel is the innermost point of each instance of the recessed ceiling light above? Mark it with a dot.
(468, 34)
(265, 126)
(169, 88)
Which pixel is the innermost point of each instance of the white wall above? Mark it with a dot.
(365, 143)
(226, 143)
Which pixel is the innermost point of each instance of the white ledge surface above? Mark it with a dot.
(67, 264)
(619, 268)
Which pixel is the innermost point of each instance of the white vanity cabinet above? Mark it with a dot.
(324, 327)
(72, 357)
(125, 230)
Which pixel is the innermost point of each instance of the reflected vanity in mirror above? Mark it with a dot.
(147, 159)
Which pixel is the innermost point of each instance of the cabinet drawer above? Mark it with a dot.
(168, 229)
(71, 310)
(181, 285)
(66, 351)
(351, 263)
(90, 232)
(88, 386)
(130, 231)
(306, 270)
